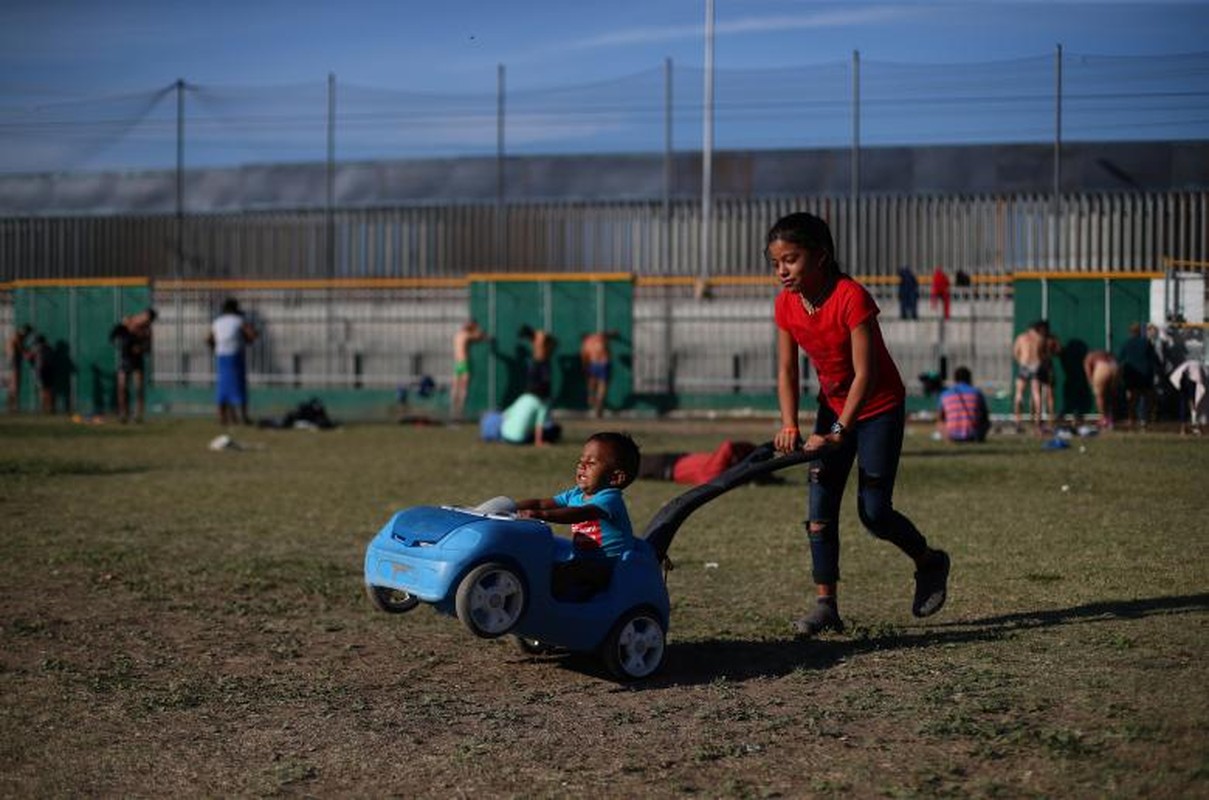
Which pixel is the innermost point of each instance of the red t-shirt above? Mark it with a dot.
(826, 337)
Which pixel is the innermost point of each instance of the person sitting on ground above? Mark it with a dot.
(962, 414)
(595, 509)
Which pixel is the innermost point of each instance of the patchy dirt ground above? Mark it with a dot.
(155, 645)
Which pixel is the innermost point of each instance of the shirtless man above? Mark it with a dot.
(1028, 351)
(1051, 349)
(133, 338)
(538, 373)
(594, 355)
(1103, 373)
(467, 335)
(14, 354)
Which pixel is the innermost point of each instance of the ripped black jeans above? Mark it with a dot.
(875, 444)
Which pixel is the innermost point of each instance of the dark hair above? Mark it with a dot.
(230, 306)
(963, 375)
(152, 314)
(525, 332)
(805, 230)
(624, 451)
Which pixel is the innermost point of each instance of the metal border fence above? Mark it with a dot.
(979, 235)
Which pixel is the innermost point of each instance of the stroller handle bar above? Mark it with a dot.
(764, 460)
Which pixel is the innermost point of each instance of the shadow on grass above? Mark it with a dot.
(703, 662)
(47, 468)
(962, 451)
(52, 428)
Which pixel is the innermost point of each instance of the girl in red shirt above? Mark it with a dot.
(861, 412)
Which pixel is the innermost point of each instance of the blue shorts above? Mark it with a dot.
(598, 370)
(232, 387)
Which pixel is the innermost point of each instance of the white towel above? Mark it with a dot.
(1196, 373)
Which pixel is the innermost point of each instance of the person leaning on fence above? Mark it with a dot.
(595, 362)
(230, 335)
(1028, 351)
(14, 355)
(132, 336)
(861, 413)
(1103, 375)
(467, 334)
(538, 372)
(42, 359)
(1139, 367)
(962, 411)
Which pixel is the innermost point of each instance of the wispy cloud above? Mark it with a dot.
(839, 18)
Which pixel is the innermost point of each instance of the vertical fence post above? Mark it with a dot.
(330, 228)
(707, 142)
(1057, 198)
(667, 165)
(501, 243)
(855, 190)
(179, 260)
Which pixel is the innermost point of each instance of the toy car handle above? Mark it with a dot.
(761, 461)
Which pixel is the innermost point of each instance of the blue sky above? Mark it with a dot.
(116, 53)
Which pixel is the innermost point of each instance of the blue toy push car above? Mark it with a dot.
(495, 572)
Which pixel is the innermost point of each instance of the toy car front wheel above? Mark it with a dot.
(392, 601)
(636, 646)
(490, 600)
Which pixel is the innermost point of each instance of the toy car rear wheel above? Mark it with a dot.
(636, 646)
(392, 601)
(490, 600)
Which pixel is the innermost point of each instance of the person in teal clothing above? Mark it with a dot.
(527, 420)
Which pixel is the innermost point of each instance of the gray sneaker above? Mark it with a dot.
(823, 617)
(931, 585)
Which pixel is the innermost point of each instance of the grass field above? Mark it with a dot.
(177, 621)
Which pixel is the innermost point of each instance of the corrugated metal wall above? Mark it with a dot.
(981, 235)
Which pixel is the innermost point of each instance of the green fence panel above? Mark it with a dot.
(1085, 314)
(568, 309)
(76, 320)
(1130, 304)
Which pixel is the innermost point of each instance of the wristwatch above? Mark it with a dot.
(837, 427)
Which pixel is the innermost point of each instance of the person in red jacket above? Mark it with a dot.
(861, 415)
(940, 290)
(694, 469)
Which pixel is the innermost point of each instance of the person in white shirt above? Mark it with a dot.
(230, 334)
